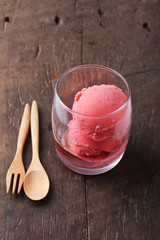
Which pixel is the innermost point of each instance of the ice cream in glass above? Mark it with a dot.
(91, 118)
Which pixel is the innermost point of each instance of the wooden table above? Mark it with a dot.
(39, 40)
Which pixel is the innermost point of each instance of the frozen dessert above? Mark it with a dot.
(99, 126)
(98, 100)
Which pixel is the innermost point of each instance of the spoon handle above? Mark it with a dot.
(24, 128)
(35, 128)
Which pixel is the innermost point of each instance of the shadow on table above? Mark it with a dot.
(139, 166)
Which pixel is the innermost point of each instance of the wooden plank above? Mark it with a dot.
(123, 203)
(35, 49)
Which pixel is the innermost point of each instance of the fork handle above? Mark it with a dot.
(35, 129)
(24, 128)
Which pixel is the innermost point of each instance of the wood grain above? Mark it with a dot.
(39, 40)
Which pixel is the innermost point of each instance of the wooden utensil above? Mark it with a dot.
(36, 183)
(17, 167)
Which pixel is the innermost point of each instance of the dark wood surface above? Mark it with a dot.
(39, 40)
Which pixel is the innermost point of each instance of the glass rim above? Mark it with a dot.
(92, 66)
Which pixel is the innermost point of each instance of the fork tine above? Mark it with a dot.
(14, 183)
(8, 181)
(21, 180)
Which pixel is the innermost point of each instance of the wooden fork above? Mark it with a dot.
(16, 169)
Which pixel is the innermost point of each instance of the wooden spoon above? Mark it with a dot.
(36, 183)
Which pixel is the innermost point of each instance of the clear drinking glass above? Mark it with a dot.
(114, 126)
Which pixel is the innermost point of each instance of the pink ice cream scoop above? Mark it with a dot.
(99, 100)
(97, 126)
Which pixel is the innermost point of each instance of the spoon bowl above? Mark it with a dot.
(36, 185)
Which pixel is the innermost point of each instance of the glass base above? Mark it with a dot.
(89, 171)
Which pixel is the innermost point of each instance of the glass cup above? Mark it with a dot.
(89, 144)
